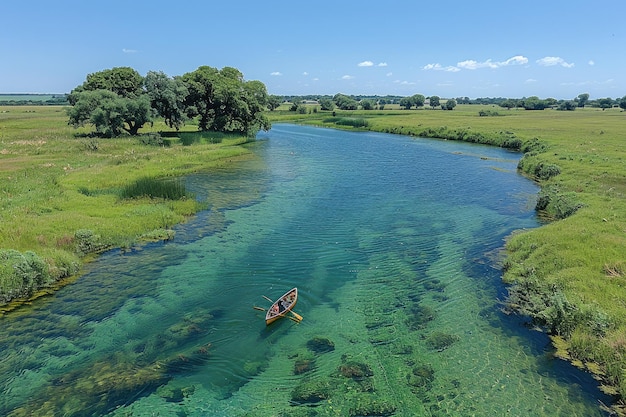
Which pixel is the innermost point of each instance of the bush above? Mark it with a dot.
(87, 242)
(21, 274)
(546, 171)
(556, 204)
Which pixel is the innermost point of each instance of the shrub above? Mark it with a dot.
(556, 204)
(546, 171)
(87, 242)
(21, 274)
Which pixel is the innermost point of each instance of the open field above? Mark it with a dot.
(570, 274)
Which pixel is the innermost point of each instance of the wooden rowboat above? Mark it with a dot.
(282, 306)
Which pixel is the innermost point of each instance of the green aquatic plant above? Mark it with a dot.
(320, 345)
(311, 391)
(420, 316)
(440, 341)
(355, 370)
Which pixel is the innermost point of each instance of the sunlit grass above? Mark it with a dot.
(56, 180)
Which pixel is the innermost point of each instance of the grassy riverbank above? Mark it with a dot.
(65, 195)
(570, 274)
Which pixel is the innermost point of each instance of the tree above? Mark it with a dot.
(224, 101)
(367, 104)
(508, 104)
(418, 100)
(406, 102)
(434, 101)
(605, 103)
(112, 100)
(327, 104)
(533, 103)
(123, 81)
(273, 102)
(200, 100)
(344, 102)
(582, 99)
(567, 105)
(167, 97)
(622, 103)
(109, 113)
(450, 104)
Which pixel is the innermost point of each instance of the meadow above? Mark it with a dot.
(569, 275)
(66, 195)
(62, 199)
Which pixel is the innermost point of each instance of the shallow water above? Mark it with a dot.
(394, 245)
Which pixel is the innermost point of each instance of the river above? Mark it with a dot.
(395, 246)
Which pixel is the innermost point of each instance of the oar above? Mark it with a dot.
(297, 316)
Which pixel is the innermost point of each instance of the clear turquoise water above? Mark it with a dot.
(394, 245)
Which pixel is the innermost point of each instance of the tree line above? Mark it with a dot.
(352, 102)
(120, 100)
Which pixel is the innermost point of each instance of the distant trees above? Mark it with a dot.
(449, 104)
(345, 102)
(567, 105)
(119, 99)
(434, 101)
(622, 103)
(273, 102)
(582, 99)
(605, 103)
(416, 100)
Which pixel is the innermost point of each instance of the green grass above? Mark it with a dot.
(570, 274)
(60, 191)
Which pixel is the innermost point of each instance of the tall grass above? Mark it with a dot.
(170, 189)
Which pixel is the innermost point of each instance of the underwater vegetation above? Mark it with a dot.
(99, 387)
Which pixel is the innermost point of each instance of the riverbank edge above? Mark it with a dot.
(129, 241)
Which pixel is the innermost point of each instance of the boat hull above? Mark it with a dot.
(282, 306)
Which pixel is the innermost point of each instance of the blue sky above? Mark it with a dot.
(447, 48)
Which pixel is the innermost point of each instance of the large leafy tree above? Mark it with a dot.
(224, 101)
(167, 97)
(112, 101)
(201, 98)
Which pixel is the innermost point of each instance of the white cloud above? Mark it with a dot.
(389, 74)
(550, 61)
(530, 81)
(305, 73)
(516, 60)
(591, 63)
(382, 64)
(347, 77)
(365, 64)
(438, 67)
(472, 65)
(404, 82)
(129, 51)
(276, 73)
